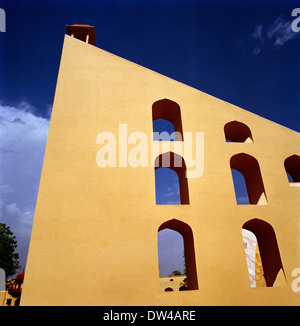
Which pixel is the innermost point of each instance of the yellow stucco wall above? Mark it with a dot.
(171, 282)
(2, 298)
(94, 237)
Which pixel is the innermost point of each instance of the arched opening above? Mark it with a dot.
(189, 251)
(171, 260)
(240, 188)
(169, 289)
(253, 259)
(292, 168)
(264, 261)
(237, 132)
(163, 130)
(175, 163)
(167, 110)
(167, 187)
(248, 166)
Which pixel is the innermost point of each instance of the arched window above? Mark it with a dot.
(176, 163)
(170, 253)
(292, 168)
(189, 251)
(166, 110)
(238, 132)
(262, 254)
(248, 166)
(253, 258)
(163, 130)
(167, 187)
(168, 289)
(240, 188)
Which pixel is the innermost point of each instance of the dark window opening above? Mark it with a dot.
(292, 168)
(171, 259)
(167, 187)
(237, 132)
(163, 184)
(240, 188)
(189, 251)
(248, 166)
(163, 130)
(169, 111)
(272, 272)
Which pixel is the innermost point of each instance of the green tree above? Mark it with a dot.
(9, 259)
(184, 283)
(176, 273)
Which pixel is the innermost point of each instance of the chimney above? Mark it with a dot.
(83, 32)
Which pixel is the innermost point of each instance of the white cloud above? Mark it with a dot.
(276, 36)
(257, 34)
(256, 51)
(280, 32)
(23, 138)
(173, 202)
(6, 189)
(13, 210)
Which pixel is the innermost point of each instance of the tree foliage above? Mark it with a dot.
(184, 283)
(9, 259)
(176, 273)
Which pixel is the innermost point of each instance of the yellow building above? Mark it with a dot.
(96, 216)
(11, 296)
(172, 283)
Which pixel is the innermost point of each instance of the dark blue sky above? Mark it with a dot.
(229, 49)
